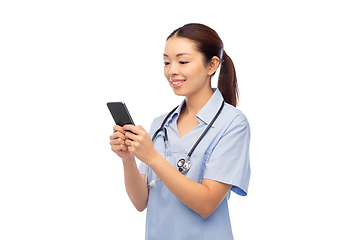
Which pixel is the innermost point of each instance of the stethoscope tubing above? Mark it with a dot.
(206, 130)
(185, 161)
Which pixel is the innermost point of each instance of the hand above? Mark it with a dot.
(118, 143)
(139, 143)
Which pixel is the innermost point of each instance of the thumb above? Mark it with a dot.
(139, 126)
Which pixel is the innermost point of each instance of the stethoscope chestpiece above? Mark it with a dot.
(184, 165)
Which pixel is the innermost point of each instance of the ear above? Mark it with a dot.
(213, 65)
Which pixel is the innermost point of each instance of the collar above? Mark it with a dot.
(207, 113)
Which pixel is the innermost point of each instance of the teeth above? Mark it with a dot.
(175, 83)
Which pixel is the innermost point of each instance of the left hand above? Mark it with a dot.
(139, 143)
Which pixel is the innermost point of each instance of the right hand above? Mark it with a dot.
(118, 143)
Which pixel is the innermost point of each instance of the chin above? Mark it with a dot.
(179, 93)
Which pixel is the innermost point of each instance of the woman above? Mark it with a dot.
(187, 198)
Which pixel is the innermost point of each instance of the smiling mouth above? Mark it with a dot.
(176, 82)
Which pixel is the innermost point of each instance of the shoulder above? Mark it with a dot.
(234, 116)
(157, 122)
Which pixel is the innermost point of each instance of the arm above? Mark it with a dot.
(135, 185)
(134, 182)
(202, 198)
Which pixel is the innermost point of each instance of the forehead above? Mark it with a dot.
(176, 45)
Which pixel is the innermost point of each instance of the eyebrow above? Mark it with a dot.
(178, 55)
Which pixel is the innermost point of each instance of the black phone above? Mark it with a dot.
(120, 113)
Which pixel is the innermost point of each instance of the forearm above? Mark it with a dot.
(135, 184)
(194, 195)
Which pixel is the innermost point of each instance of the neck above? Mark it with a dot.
(197, 101)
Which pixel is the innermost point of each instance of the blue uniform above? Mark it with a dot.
(222, 155)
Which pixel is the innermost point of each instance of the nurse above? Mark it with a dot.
(192, 204)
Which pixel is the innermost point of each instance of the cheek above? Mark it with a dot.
(189, 71)
(196, 72)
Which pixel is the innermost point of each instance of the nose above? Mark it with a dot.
(173, 70)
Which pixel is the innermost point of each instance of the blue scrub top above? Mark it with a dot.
(222, 155)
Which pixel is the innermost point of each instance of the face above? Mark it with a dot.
(184, 67)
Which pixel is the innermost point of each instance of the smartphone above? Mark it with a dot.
(120, 113)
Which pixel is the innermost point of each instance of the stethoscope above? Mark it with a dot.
(183, 164)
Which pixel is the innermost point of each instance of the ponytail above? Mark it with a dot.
(227, 83)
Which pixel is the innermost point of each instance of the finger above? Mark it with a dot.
(118, 148)
(117, 141)
(117, 135)
(117, 128)
(130, 136)
(113, 136)
(132, 128)
(123, 148)
(131, 146)
(140, 127)
(129, 142)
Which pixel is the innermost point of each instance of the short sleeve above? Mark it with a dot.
(229, 162)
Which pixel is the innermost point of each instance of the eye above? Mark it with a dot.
(166, 63)
(182, 62)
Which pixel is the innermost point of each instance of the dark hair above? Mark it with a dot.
(209, 44)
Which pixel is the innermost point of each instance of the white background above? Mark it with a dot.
(60, 62)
